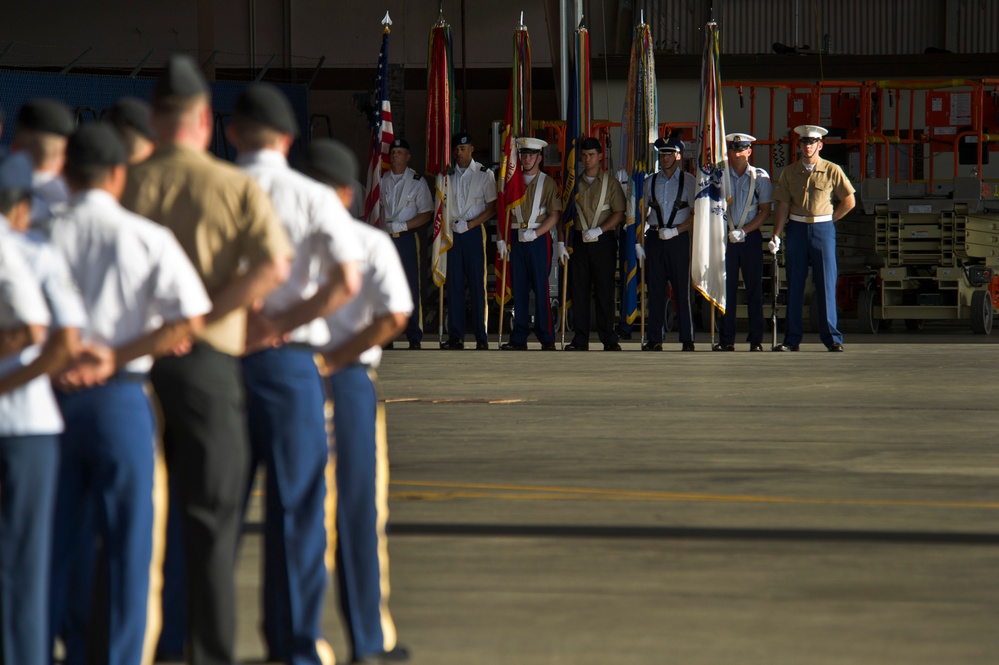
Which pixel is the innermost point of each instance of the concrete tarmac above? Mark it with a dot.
(691, 508)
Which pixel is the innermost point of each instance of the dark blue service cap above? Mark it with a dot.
(333, 160)
(181, 77)
(461, 139)
(133, 113)
(16, 173)
(400, 143)
(672, 144)
(266, 104)
(46, 115)
(94, 145)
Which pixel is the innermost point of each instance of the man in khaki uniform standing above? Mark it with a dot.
(599, 211)
(804, 196)
(227, 227)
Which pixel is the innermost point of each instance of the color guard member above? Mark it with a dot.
(752, 200)
(474, 192)
(531, 249)
(599, 211)
(667, 243)
(406, 208)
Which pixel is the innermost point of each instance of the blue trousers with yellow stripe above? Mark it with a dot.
(466, 266)
(408, 246)
(531, 263)
(107, 462)
(362, 511)
(287, 427)
(28, 471)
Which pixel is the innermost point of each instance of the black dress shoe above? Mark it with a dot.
(613, 346)
(652, 346)
(548, 347)
(689, 346)
(755, 347)
(453, 345)
(397, 655)
(415, 346)
(835, 347)
(785, 347)
(482, 345)
(389, 346)
(576, 347)
(513, 346)
(723, 347)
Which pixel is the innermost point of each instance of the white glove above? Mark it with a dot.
(563, 253)
(667, 234)
(591, 235)
(502, 249)
(736, 235)
(528, 235)
(460, 226)
(640, 255)
(774, 245)
(397, 227)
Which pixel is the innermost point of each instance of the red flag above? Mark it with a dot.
(381, 138)
(440, 115)
(516, 124)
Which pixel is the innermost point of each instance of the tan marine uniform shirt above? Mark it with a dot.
(222, 218)
(589, 197)
(810, 194)
(550, 201)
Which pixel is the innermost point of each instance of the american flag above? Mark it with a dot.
(381, 137)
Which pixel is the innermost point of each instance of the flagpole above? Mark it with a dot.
(501, 289)
(641, 308)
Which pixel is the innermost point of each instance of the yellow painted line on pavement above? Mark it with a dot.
(532, 492)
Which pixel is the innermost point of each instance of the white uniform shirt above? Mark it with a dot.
(50, 198)
(132, 273)
(30, 409)
(50, 270)
(318, 226)
(666, 194)
(472, 188)
(740, 191)
(384, 290)
(404, 196)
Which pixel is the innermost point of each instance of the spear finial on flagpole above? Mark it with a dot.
(386, 21)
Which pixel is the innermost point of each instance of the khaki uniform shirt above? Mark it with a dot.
(589, 197)
(223, 220)
(810, 194)
(550, 202)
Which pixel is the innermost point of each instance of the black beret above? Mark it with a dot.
(333, 160)
(134, 113)
(181, 77)
(400, 143)
(461, 139)
(590, 143)
(266, 104)
(46, 115)
(95, 145)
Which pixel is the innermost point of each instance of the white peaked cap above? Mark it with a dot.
(530, 143)
(811, 131)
